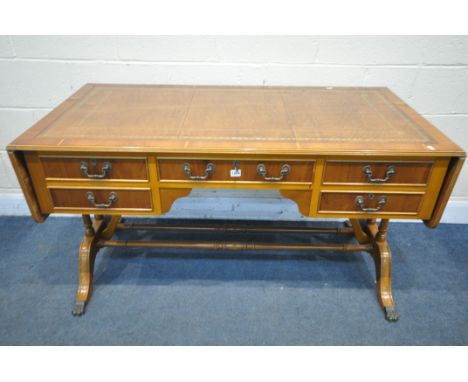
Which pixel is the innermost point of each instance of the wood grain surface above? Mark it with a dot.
(346, 202)
(172, 169)
(77, 198)
(69, 168)
(351, 172)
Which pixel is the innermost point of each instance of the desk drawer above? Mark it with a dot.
(370, 203)
(343, 172)
(95, 168)
(109, 199)
(222, 170)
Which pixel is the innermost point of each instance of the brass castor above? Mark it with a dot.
(79, 308)
(391, 314)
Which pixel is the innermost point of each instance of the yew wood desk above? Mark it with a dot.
(355, 153)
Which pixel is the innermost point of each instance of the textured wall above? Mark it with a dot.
(429, 73)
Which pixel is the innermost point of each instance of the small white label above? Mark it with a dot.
(235, 173)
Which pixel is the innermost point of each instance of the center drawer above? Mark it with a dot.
(233, 170)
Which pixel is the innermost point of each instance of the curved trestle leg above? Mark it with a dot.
(359, 233)
(382, 256)
(87, 254)
(111, 227)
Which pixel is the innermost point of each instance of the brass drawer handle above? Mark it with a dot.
(188, 171)
(106, 168)
(360, 203)
(367, 171)
(110, 200)
(261, 170)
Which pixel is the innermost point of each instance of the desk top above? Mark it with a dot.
(210, 119)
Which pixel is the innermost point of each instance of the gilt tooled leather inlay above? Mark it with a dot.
(237, 114)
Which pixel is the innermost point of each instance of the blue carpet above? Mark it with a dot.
(186, 297)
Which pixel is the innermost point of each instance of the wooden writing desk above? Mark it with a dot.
(356, 153)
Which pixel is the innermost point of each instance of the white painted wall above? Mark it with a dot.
(37, 72)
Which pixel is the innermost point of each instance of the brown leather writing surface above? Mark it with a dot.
(236, 119)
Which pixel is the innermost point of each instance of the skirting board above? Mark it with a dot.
(14, 204)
